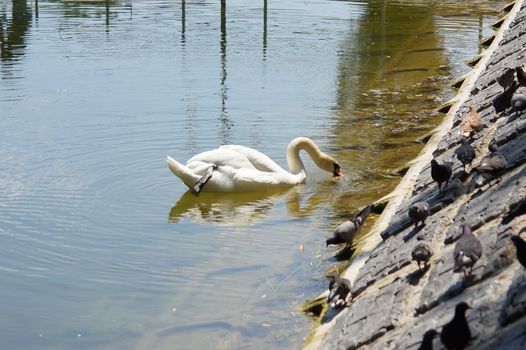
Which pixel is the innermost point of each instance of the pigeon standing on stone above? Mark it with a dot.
(520, 246)
(456, 334)
(468, 251)
(421, 253)
(503, 101)
(339, 290)
(516, 209)
(427, 341)
(440, 172)
(347, 230)
(506, 78)
(493, 165)
(521, 76)
(471, 123)
(518, 103)
(465, 153)
(418, 212)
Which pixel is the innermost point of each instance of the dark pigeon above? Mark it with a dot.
(347, 230)
(518, 102)
(503, 101)
(516, 209)
(520, 246)
(419, 212)
(440, 172)
(427, 341)
(493, 165)
(456, 334)
(421, 253)
(339, 290)
(506, 78)
(468, 251)
(465, 153)
(521, 76)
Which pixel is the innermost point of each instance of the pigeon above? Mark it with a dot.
(516, 209)
(521, 76)
(518, 102)
(339, 290)
(520, 246)
(467, 251)
(456, 333)
(421, 253)
(419, 212)
(493, 165)
(465, 153)
(440, 172)
(503, 101)
(471, 123)
(427, 341)
(347, 230)
(506, 78)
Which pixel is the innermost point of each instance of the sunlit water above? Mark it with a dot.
(101, 247)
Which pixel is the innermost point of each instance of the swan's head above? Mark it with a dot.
(330, 164)
(336, 169)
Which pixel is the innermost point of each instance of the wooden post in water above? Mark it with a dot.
(36, 9)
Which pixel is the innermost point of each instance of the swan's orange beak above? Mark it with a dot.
(336, 171)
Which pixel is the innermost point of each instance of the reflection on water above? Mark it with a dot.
(13, 31)
(95, 94)
(230, 209)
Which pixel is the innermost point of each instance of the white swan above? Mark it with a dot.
(233, 168)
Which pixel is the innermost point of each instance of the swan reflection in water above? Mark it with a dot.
(245, 208)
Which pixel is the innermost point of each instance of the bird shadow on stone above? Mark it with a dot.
(413, 232)
(414, 277)
(331, 313)
(459, 286)
(344, 253)
(514, 307)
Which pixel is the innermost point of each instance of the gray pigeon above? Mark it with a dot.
(418, 212)
(493, 165)
(518, 102)
(468, 251)
(421, 253)
(339, 290)
(347, 230)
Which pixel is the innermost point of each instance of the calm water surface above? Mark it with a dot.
(103, 248)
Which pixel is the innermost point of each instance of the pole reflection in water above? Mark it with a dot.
(107, 14)
(13, 32)
(264, 28)
(226, 123)
(183, 21)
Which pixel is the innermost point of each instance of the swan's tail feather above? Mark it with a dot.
(183, 172)
(198, 186)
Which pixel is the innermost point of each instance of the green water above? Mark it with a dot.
(103, 248)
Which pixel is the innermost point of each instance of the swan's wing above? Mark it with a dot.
(259, 160)
(221, 157)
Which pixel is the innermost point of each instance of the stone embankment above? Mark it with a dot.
(393, 304)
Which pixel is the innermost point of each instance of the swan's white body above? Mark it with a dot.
(236, 168)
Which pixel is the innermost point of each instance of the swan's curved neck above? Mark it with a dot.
(293, 154)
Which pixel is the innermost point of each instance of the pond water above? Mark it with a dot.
(103, 248)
